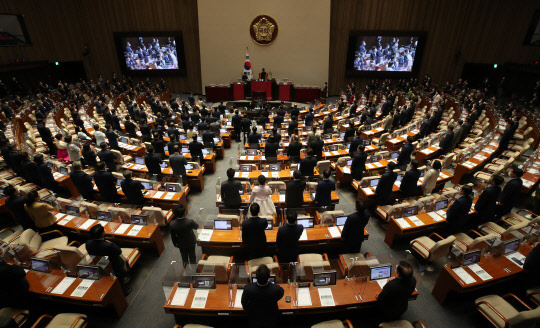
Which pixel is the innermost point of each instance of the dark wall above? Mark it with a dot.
(60, 29)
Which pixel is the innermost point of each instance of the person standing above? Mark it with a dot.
(106, 183)
(294, 193)
(511, 193)
(13, 285)
(409, 183)
(287, 239)
(385, 185)
(262, 195)
(487, 201)
(133, 190)
(431, 177)
(323, 193)
(178, 164)
(16, 203)
(404, 157)
(358, 165)
(230, 191)
(182, 234)
(253, 233)
(353, 230)
(458, 213)
(82, 181)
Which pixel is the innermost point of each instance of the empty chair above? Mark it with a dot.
(11, 317)
(333, 324)
(71, 255)
(329, 217)
(430, 249)
(490, 228)
(342, 161)
(235, 219)
(271, 263)
(157, 215)
(90, 209)
(35, 243)
(502, 314)
(534, 295)
(323, 166)
(196, 166)
(353, 264)
(402, 324)
(386, 211)
(63, 320)
(221, 266)
(119, 158)
(309, 262)
(466, 243)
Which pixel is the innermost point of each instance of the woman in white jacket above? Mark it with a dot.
(262, 195)
(430, 178)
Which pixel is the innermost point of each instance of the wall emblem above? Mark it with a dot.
(263, 30)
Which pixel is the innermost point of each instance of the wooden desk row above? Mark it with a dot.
(195, 177)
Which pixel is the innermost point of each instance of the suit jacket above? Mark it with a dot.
(353, 230)
(358, 166)
(106, 184)
(393, 300)
(404, 157)
(133, 191)
(254, 138)
(307, 165)
(446, 141)
(182, 234)
(47, 178)
(230, 193)
(100, 247)
(384, 188)
(41, 214)
(260, 303)
(532, 261)
(287, 239)
(16, 205)
(458, 213)
(294, 150)
(317, 147)
(486, 203)
(294, 194)
(178, 162)
(323, 194)
(108, 158)
(83, 182)
(409, 183)
(195, 149)
(152, 162)
(253, 235)
(31, 172)
(511, 193)
(353, 148)
(270, 149)
(113, 139)
(13, 284)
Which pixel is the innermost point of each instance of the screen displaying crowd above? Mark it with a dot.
(385, 53)
(148, 53)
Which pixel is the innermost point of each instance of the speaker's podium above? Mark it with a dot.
(262, 86)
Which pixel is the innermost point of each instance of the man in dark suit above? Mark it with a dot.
(308, 121)
(254, 138)
(458, 213)
(271, 148)
(467, 126)
(237, 125)
(106, 156)
(182, 234)
(293, 126)
(152, 162)
(230, 191)
(446, 141)
(46, 136)
(45, 173)
(13, 285)
(133, 189)
(386, 183)
(307, 164)
(112, 137)
(323, 193)
(195, 149)
(106, 184)
(532, 264)
(253, 236)
(317, 146)
(98, 246)
(294, 194)
(246, 127)
(511, 193)
(409, 183)
(260, 300)
(353, 230)
(328, 124)
(287, 239)
(293, 151)
(82, 181)
(487, 202)
(30, 170)
(358, 166)
(507, 135)
(131, 129)
(357, 141)
(386, 108)
(404, 157)
(393, 300)
(178, 164)
(424, 127)
(16, 203)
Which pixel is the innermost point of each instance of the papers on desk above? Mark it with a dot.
(517, 258)
(169, 195)
(103, 223)
(65, 220)
(326, 297)
(335, 153)
(382, 282)
(477, 269)
(281, 198)
(436, 217)
(238, 298)
(244, 174)
(443, 176)
(346, 170)
(403, 223)
(334, 232)
(464, 276)
(251, 158)
(273, 174)
(479, 157)
(304, 297)
(265, 174)
(138, 167)
(441, 213)
(122, 228)
(82, 288)
(135, 230)
(370, 147)
(206, 234)
(370, 166)
(303, 236)
(59, 215)
(199, 299)
(377, 164)
(180, 296)
(368, 191)
(63, 285)
(86, 225)
(417, 222)
(57, 175)
(398, 184)
(527, 183)
(469, 165)
(158, 194)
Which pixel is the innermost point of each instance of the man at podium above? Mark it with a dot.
(263, 75)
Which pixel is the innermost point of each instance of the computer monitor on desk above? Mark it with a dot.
(139, 160)
(185, 150)
(124, 140)
(374, 182)
(410, 211)
(340, 220)
(104, 216)
(139, 219)
(222, 225)
(274, 167)
(172, 187)
(72, 210)
(441, 205)
(380, 272)
(183, 137)
(203, 281)
(88, 272)
(472, 257)
(270, 225)
(64, 170)
(246, 168)
(325, 278)
(252, 152)
(40, 265)
(349, 162)
(511, 246)
(188, 167)
(307, 223)
(271, 279)
(394, 155)
(147, 185)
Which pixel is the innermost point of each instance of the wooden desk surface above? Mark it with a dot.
(473, 163)
(279, 200)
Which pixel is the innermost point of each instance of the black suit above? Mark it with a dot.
(133, 191)
(106, 184)
(358, 166)
(270, 149)
(353, 148)
(16, 205)
(230, 193)
(307, 165)
(294, 151)
(253, 236)
(83, 182)
(47, 178)
(409, 183)
(260, 303)
(178, 164)
(183, 237)
(100, 247)
(532, 263)
(404, 157)
(287, 239)
(393, 300)
(195, 149)
(458, 213)
(323, 194)
(353, 231)
(294, 194)
(510, 195)
(253, 138)
(107, 157)
(31, 172)
(317, 147)
(446, 142)
(487, 202)
(112, 137)
(152, 162)
(384, 188)
(13, 285)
